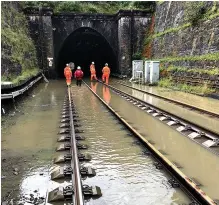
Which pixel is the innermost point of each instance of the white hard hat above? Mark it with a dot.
(67, 64)
(92, 62)
(106, 64)
(79, 67)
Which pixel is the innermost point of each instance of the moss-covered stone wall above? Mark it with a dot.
(18, 59)
(185, 39)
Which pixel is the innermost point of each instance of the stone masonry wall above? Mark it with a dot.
(177, 42)
(41, 31)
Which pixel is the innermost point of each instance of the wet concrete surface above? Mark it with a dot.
(196, 162)
(208, 122)
(206, 103)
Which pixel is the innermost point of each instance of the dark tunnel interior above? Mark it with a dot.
(84, 46)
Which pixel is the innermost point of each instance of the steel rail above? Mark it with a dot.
(78, 198)
(204, 131)
(192, 189)
(174, 101)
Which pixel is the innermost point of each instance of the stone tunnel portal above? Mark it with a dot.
(82, 47)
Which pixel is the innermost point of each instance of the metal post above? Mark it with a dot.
(78, 198)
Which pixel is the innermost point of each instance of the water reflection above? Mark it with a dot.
(106, 94)
(195, 100)
(93, 98)
(93, 86)
(53, 99)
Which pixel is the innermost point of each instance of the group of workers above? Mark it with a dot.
(79, 74)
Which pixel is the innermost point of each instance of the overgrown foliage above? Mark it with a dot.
(137, 56)
(107, 7)
(199, 90)
(209, 57)
(148, 39)
(194, 11)
(18, 48)
(211, 72)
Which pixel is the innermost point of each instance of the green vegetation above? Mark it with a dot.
(107, 7)
(18, 46)
(137, 56)
(214, 71)
(195, 13)
(160, 2)
(172, 30)
(165, 82)
(209, 57)
(199, 90)
(147, 39)
(25, 75)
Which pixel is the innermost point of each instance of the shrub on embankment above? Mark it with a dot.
(185, 39)
(106, 7)
(18, 59)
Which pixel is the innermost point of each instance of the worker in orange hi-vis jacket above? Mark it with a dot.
(106, 73)
(68, 74)
(92, 71)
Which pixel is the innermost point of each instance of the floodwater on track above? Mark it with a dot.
(199, 119)
(29, 139)
(124, 175)
(196, 162)
(28, 143)
(207, 103)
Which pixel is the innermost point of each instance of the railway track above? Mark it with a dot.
(69, 137)
(201, 135)
(179, 179)
(185, 105)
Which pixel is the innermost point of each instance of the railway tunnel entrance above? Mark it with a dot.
(82, 47)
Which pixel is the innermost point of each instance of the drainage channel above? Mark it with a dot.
(202, 136)
(178, 178)
(210, 113)
(72, 170)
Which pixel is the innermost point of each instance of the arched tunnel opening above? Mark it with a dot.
(84, 46)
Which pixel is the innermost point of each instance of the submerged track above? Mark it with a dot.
(201, 135)
(76, 177)
(185, 105)
(187, 184)
(76, 192)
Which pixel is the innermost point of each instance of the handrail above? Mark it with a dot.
(76, 177)
(21, 91)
